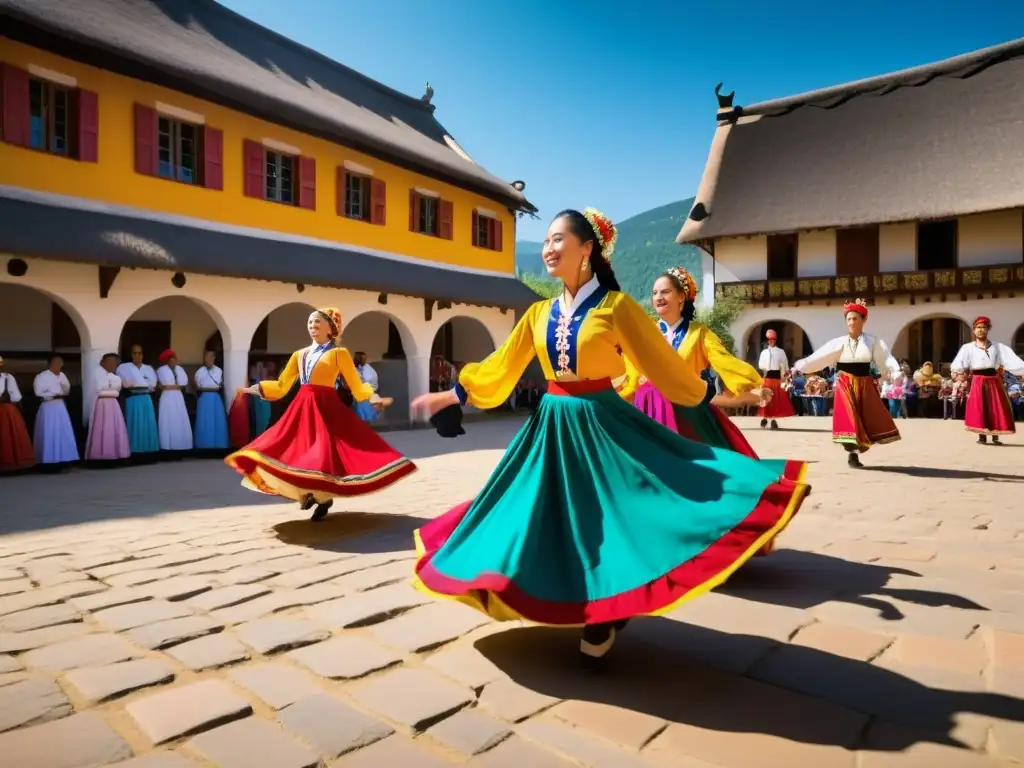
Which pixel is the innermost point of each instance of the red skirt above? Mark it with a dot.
(319, 447)
(239, 429)
(988, 410)
(858, 415)
(15, 445)
(780, 407)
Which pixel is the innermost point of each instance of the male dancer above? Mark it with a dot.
(774, 365)
(988, 411)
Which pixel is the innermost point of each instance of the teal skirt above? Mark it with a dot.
(597, 513)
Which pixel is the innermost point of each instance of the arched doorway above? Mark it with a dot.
(379, 337)
(43, 327)
(791, 337)
(173, 322)
(935, 339)
(459, 341)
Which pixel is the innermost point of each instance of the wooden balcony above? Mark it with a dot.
(964, 281)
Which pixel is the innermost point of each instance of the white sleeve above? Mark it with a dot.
(884, 359)
(1010, 361)
(824, 357)
(12, 389)
(962, 361)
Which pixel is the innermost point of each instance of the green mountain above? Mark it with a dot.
(646, 248)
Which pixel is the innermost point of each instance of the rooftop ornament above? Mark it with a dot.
(428, 94)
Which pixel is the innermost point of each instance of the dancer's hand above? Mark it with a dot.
(764, 394)
(433, 402)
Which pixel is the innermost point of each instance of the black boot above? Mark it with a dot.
(775, 424)
(851, 456)
(321, 511)
(996, 440)
(982, 439)
(595, 644)
(764, 423)
(307, 503)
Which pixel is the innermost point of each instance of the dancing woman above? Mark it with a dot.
(319, 450)
(988, 412)
(595, 514)
(673, 298)
(859, 419)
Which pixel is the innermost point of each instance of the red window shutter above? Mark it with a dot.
(255, 174)
(87, 107)
(213, 158)
(445, 214)
(495, 232)
(15, 116)
(145, 140)
(414, 211)
(476, 228)
(307, 183)
(378, 202)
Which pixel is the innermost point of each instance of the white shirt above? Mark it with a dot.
(209, 378)
(773, 359)
(971, 357)
(368, 375)
(48, 385)
(585, 292)
(10, 386)
(170, 378)
(133, 377)
(863, 349)
(103, 385)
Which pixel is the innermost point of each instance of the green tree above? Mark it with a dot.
(720, 316)
(543, 286)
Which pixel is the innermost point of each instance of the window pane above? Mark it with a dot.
(273, 177)
(187, 153)
(165, 148)
(59, 127)
(37, 115)
(286, 178)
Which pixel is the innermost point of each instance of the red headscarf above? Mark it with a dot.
(166, 355)
(981, 320)
(857, 305)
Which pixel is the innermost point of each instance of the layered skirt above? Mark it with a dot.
(108, 435)
(54, 437)
(211, 433)
(16, 451)
(140, 418)
(174, 428)
(597, 514)
(988, 410)
(779, 407)
(319, 448)
(859, 418)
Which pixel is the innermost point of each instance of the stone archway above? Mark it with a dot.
(389, 346)
(792, 338)
(934, 338)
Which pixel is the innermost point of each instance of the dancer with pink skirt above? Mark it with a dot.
(108, 433)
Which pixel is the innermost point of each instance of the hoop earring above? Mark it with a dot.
(585, 266)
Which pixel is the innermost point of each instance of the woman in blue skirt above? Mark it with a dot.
(211, 430)
(138, 381)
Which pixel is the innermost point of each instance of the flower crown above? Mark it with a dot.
(684, 279)
(606, 232)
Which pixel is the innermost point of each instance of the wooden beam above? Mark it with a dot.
(107, 277)
(428, 309)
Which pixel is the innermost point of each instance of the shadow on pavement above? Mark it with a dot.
(362, 533)
(793, 692)
(798, 579)
(946, 474)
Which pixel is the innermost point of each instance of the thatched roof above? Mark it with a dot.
(201, 47)
(63, 228)
(930, 142)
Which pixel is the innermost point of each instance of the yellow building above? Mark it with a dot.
(175, 175)
(903, 189)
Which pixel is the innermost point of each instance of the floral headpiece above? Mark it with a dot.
(686, 280)
(606, 232)
(333, 317)
(857, 305)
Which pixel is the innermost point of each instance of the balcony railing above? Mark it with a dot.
(963, 280)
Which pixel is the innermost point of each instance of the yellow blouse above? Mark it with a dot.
(319, 366)
(583, 345)
(700, 349)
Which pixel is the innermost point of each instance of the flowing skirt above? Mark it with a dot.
(780, 406)
(174, 426)
(211, 422)
(319, 448)
(365, 411)
(54, 438)
(239, 426)
(140, 418)
(989, 411)
(858, 415)
(108, 435)
(597, 514)
(15, 445)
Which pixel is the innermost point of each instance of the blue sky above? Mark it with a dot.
(610, 103)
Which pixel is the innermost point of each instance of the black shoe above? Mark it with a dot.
(853, 460)
(775, 424)
(982, 439)
(595, 644)
(996, 440)
(307, 503)
(321, 511)
(764, 423)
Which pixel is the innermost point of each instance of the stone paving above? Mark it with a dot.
(163, 617)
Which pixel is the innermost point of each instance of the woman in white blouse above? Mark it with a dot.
(988, 411)
(172, 420)
(16, 451)
(211, 417)
(54, 437)
(108, 434)
(138, 381)
(859, 419)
